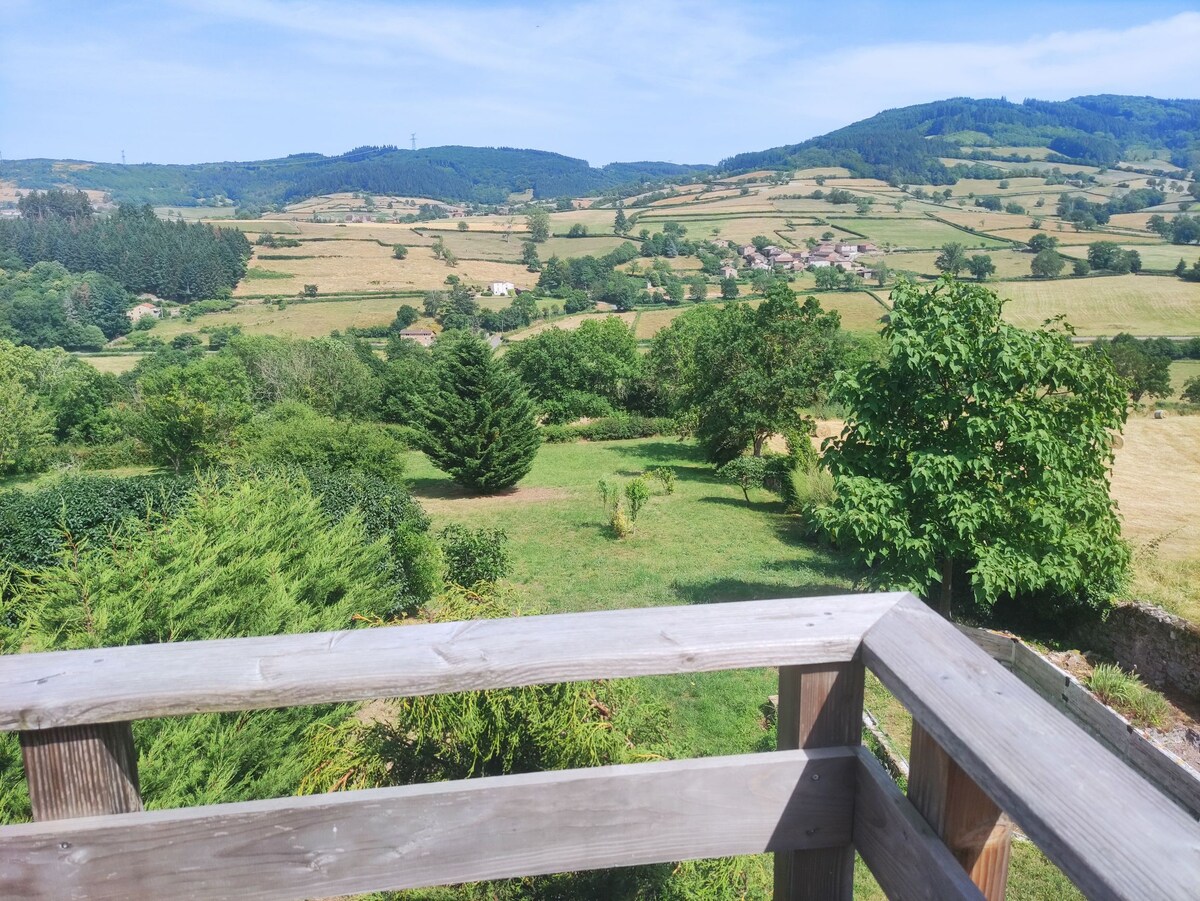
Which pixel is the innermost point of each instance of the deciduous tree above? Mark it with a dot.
(978, 451)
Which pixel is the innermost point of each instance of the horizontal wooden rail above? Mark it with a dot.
(440, 833)
(69, 688)
(1110, 831)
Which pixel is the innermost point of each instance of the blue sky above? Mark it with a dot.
(199, 80)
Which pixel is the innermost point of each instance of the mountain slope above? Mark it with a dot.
(472, 174)
(905, 144)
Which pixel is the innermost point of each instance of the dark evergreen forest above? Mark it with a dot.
(174, 260)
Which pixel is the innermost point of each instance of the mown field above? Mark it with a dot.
(1106, 305)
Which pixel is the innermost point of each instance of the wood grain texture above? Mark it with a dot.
(970, 824)
(907, 858)
(351, 842)
(1062, 690)
(820, 706)
(1110, 831)
(39, 691)
(81, 771)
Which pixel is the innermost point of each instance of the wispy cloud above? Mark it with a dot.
(618, 79)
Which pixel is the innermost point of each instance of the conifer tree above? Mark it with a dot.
(478, 422)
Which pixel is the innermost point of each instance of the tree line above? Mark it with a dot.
(176, 260)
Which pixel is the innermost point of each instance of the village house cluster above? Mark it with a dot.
(842, 255)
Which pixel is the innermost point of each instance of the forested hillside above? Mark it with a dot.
(475, 174)
(176, 260)
(906, 144)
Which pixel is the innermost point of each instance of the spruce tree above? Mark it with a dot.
(477, 421)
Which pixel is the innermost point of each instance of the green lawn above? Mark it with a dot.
(702, 544)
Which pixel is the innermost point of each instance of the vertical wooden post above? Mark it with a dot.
(80, 771)
(820, 706)
(977, 832)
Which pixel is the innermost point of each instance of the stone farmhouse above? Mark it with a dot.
(825, 254)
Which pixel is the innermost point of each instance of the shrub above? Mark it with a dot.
(619, 428)
(621, 526)
(637, 493)
(474, 556)
(666, 475)
(295, 434)
(610, 495)
(255, 556)
(558, 434)
(745, 472)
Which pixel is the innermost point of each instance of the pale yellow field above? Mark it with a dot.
(299, 320)
(344, 266)
(1009, 263)
(1164, 256)
(1181, 371)
(111, 364)
(1156, 482)
(985, 220)
(568, 323)
(1141, 305)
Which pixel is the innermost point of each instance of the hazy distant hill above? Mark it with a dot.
(479, 174)
(905, 144)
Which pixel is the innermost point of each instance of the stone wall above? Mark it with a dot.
(1163, 649)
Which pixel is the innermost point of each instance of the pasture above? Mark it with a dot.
(1106, 305)
(1009, 263)
(915, 233)
(113, 364)
(298, 320)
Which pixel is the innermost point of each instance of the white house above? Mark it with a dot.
(144, 309)
(502, 289)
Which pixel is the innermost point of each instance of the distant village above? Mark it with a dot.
(842, 255)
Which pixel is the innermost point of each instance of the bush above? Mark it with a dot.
(619, 428)
(745, 472)
(82, 510)
(637, 493)
(250, 557)
(666, 475)
(474, 556)
(558, 434)
(295, 434)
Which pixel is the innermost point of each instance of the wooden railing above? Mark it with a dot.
(985, 748)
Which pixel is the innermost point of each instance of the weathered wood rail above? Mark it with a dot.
(987, 748)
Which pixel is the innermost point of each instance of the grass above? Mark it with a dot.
(257, 273)
(1156, 483)
(114, 364)
(701, 544)
(1181, 371)
(1141, 305)
(300, 320)
(1173, 585)
(1125, 692)
(918, 233)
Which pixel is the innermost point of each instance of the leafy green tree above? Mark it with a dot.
(698, 288)
(952, 260)
(578, 230)
(745, 472)
(185, 415)
(399, 251)
(981, 266)
(589, 371)
(1080, 268)
(621, 224)
(1144, 371)
(477, 423)
(1047, 264)
(405, 316)
(827, 277)
(978, 450)
(25, 424)
(758, 370)
(538, 223)
(529, 256)
(1038, 243)
(729, 288)
(1191, 390)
